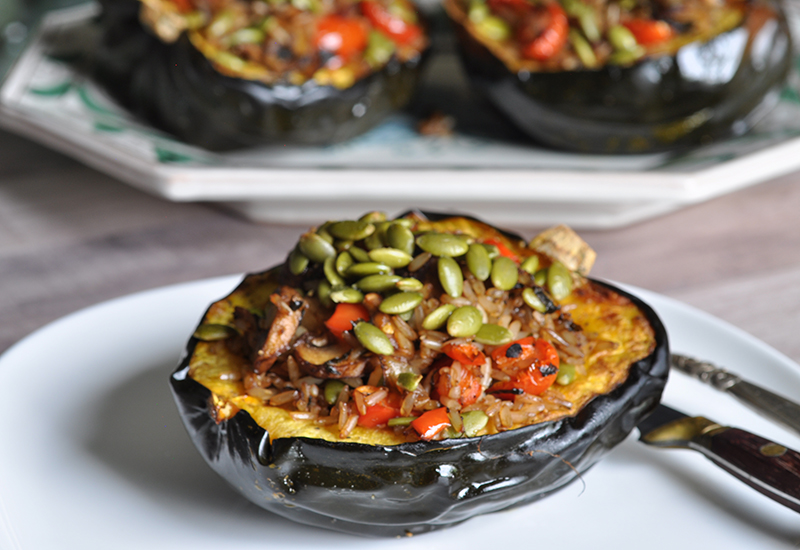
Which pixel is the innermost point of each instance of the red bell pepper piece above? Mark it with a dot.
(345, 317)
(382, 411)
(532, 364)
(395, 27)
(553, 38)
(184, 6)
(503, 249)
(649, 31)
(465, 353)
(342, 36)
(469, 385)
(431, 423)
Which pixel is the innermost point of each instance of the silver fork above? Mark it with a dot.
(777, 407)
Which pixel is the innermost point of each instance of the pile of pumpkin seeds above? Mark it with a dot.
(362, 256)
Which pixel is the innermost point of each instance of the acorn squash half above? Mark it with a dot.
(175, 87)
(375, 481)
(689, 90)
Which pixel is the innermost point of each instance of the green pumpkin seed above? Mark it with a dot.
(324, 289)
(493, 335)
(405, 222)
(378, 283)
(409, 284)
(474, 422)
(464, 321)
(343, 263)
(533, 301)
(401, 421)
(358, 254)
(438, 317)
(367, 268)
(346, 295)
(297, 262)
(626, 57)
(443, 244)
(315, 248)
(451, 433)
(492, 250)
(450, 276)
(390, 256)
(341, 245)
(559, 281)
(329, 268)
(493, 28)
(504, 273)
(332, 390)
(379, 49)
(582, 46)
(351, 230)
(373, 338)
(372, 217)
(400, 303)
(530, 264)
(323, 232)
(400, 237)
(478, 261)
(622, 38)
(373, 241)
(409, 380)
(566, 374)
(249, 35)
(208, 332)
(540, 277)
(380, 229)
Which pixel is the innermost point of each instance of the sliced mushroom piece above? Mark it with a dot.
(290, 307)
(337, 360)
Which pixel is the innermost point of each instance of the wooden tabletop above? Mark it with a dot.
(71, 237)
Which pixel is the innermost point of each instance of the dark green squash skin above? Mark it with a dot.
(176, 89)
(414, 488)
(639, 109)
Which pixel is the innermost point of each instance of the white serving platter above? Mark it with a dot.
(485, 168)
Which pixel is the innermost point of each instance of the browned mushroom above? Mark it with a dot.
(290, 306)
(337, 360)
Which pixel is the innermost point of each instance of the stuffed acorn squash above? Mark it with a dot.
(394, 377)
(223, 74)
(625, 76)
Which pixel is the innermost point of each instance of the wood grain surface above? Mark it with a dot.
(71, 237)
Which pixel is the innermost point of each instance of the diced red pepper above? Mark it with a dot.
(431, 423)
(503, 249)
(521, 353)
(184, 6)
(532, 364)
(382, 411)
(395, 27)
(553, 38)
(344, 318)
(649, 31)
(469, 385)
(342, 36)
(465, 353)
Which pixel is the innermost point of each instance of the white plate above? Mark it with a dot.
(94, 455)
(483, 169)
